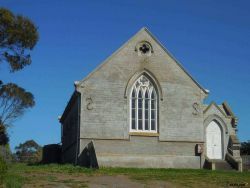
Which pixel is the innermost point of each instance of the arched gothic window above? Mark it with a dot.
(143, 106)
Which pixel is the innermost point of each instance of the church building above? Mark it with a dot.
(141, 108)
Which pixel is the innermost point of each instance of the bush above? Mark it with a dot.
(5, 153)
(29, 152)
(4, 138)
(3, 169)
(245, 148)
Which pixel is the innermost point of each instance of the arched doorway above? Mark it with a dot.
(214, 141)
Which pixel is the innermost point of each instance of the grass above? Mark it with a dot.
(13, 179)
(184, 177)
(20, 174)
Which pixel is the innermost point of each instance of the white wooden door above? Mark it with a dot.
(213, 141)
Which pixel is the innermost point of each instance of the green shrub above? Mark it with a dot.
(3, 169)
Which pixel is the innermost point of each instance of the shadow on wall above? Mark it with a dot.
(88, 157)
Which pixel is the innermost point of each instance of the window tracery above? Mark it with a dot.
(143, 105)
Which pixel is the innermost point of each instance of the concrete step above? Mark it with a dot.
(223, 165)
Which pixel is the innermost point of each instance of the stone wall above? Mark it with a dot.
(105, 87)
(105, 105)
(105, 113)
(141, 151)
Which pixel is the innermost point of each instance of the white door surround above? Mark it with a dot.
(214, 141)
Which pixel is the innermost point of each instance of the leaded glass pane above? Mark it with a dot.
(140, 94)
(146, 114)
(133, 93)
(139, 103)
(153, 125)
(139, 113)
(153, 95)
(146, 103)
(133, 124)
(152, 114)
(146, 94)
(152, 104)
(140, 124)
(133, 103)
(146, 124)
(133, 113)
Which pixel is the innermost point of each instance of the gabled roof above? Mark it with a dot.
(176, 61)
(144, 29)
(216, 106)
(227, 109)
(230, 113)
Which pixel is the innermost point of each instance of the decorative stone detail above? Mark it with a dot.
(144, 48)
(89, 102)
(143, 82)
(196, 108)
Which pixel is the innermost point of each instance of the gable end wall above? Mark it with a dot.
(109, 118)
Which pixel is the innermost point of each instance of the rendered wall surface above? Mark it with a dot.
(105, 113)
(106, 87)
(146, 152)
(105, 110)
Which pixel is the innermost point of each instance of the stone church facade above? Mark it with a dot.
(141, 108)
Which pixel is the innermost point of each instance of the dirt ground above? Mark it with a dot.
(101, 181)
(55, 175)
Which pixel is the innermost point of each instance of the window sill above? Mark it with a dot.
(143, 134)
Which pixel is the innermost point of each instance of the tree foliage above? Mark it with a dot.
(29, 152)
(18, 35)
(14, 100)
(245, 148)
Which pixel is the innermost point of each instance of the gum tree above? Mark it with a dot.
(18, 36)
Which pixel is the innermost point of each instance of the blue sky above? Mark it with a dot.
(211, 39)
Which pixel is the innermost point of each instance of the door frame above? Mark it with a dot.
(224, 131)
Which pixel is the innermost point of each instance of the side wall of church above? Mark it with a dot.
(69, 135)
